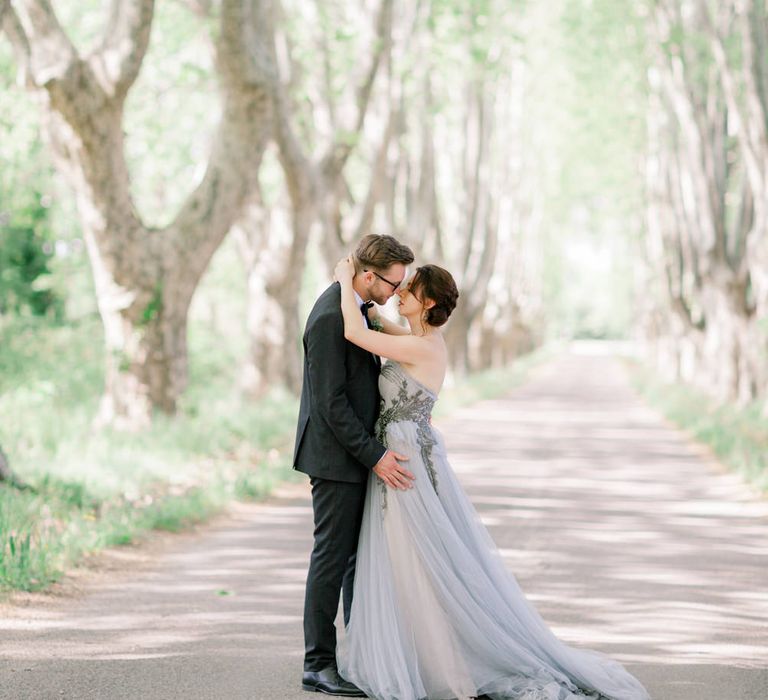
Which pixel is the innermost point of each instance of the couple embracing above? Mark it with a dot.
(430, 610)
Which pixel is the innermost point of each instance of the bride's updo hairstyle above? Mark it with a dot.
(435, 283)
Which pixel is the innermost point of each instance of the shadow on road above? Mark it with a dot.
(625, 540)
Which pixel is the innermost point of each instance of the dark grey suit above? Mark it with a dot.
(335, 447)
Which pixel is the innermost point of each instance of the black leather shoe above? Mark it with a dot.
(329, 681)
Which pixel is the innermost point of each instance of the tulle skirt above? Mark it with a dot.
(436, 614)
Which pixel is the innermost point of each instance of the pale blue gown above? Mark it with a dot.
(436, 614)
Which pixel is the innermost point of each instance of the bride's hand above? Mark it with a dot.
(345, 270)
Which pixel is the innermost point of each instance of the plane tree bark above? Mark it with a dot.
(144, 277)
(702, 210)
(275, 258)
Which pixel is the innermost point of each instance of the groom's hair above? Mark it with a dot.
(377, 252)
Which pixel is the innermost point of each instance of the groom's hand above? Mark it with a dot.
(388, 469)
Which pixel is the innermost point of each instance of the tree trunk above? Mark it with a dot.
(146, 355)
(8, 477)
(746, 92)
(476, 260)
(695, 235)
(272, 316)
(275, 256)
(144, 278)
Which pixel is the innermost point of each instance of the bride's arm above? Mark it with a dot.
(403, 348)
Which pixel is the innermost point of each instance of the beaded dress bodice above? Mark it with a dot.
(406, 400)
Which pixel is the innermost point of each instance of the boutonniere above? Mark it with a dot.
(376, 325)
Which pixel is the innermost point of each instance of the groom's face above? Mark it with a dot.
(383, 286)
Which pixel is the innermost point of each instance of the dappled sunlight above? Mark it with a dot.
(615, 527)
(621, 536)
(240, 587)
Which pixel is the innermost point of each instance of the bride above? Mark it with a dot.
(436, 615)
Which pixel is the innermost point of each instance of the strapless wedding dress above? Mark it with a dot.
(436, 614)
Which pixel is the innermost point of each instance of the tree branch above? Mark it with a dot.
(755, 106)
(10, 23)
(680, 91)
(124, 44)
(382, 44)
(242, 48)
(336, 157)
(51, 52)
(246, 74)
(296, 164)
(378, 175)
(740, 117)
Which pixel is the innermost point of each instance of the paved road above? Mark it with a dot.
(626, 539)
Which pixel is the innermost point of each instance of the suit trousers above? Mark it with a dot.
(338, 514)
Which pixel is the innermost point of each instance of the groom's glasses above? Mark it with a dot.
(394, 285)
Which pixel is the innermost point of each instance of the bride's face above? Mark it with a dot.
(409, 304)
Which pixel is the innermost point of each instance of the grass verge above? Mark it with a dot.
(738, 436)
(92, 490)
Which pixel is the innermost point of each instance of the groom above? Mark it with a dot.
(335, 447)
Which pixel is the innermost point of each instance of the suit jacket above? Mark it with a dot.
(339, 399)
